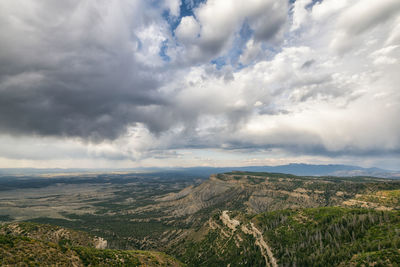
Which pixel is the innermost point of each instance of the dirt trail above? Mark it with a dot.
(265, 249)
(266, 252)
(231, 223)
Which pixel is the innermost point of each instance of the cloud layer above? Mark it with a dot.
(139, 81)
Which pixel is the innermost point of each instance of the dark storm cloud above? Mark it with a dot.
(95, 108)
(74, 72)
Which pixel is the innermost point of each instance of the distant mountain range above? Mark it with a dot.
(306, 170)
(293, 168)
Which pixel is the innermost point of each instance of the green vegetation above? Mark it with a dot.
(23, 251)
(389, 198)
(383, 257)
(218, 250)
(261, 174)
(119, 230)
(110, 257)
(330, 236)
(18, 248)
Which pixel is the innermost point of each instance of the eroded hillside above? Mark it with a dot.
(259, 192)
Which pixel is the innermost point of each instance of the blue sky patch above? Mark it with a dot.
(164, 50)
(186, 9)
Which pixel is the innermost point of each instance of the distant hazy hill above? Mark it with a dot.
(293, 168)
(305, 169)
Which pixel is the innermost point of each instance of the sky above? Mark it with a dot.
(141, 83)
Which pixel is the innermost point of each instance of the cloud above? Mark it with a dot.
(212, 30)
(251, 52)
(173, 6)
(361, 17)
(79, 68)
(188, 29)
(138, 82)
(300, 14)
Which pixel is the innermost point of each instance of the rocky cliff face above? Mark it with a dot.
(255, 193)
